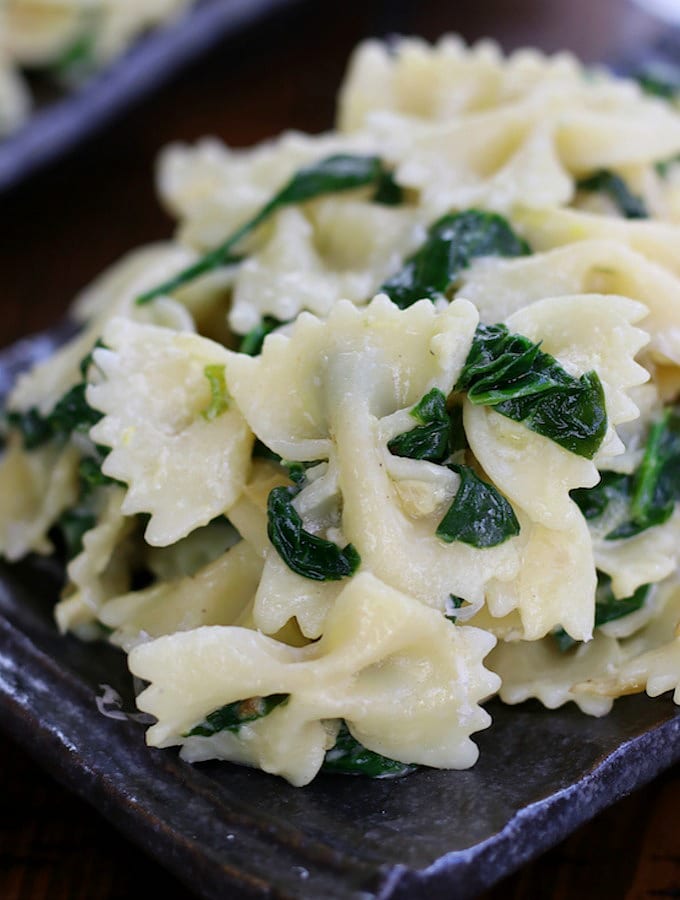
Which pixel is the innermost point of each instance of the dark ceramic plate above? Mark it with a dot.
(61, 125)
(228, 831)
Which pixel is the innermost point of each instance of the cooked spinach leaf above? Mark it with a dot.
(615, 187)
(512, 374)
(666, 85)
(453, 603)
(479, 515)
(333, 175)
(646, 497)
(253, 341)
(349, 757)
(232, 716)
(612, 487)
(452, 244)
(657, 481)
(71, 413)
(34, 427)
(431, 439)
(297, 471)
(607, 608)
(90, 471)
(388, 192)
(262, 451)
(664, 166)
(73, 525)
(303, 552)
(219, 396)
(77, 58)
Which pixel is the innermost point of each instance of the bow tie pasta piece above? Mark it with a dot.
(249, 514)
(494, 160)
(36, 488)
(438, 82)
(556, 583)
(499, 288)
(492, 134)
(321, 391)
(593, 332)
(584, 334)
(339, 248)
(213, 189)
(101, 570)
(593, 674)
(539, 669)
(283, 595)
(651, 657)
(164, 402)
(288, 393)
(403, 551)
(406, 682)
(547, 229)
(646, 558)
(218, 594)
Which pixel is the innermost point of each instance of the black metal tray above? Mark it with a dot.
(59, 126)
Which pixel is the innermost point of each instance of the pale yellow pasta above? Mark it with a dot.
(225, 588)
(384, 663)
(150, 447)
(36, 487)
(102, 569)
(314, 541)
(39, 32)
(15, 101)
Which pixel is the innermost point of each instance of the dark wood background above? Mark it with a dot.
(61, 229)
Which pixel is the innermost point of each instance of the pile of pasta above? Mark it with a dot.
(389, 427)
(68, 38)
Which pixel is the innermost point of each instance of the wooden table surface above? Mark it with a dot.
(62, 228)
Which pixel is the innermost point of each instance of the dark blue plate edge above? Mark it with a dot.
(59, 127)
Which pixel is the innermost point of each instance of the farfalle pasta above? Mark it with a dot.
(388, 428)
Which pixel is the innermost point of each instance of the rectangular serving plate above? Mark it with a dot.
(63, 124)
(217, 827)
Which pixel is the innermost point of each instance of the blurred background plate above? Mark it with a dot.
(56, 127)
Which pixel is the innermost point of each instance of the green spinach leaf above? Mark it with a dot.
(512, 374)
(664, 85)
(431, 439)
(646, 497)
(232, 716)
(452, 244)
(615, 187)
(388, 192)
(607, 608)
(73, 525)
(454, 603)
(479, 515)
(303, 552)
(333, 175)
(71, 413)
(664, 166)
(349, 757)
(253, 341)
